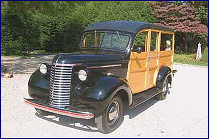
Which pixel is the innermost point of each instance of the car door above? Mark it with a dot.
(137, 70)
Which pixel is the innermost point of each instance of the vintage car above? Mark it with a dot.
(120, 65)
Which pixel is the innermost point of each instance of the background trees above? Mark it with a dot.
(185, 19)
(56, 26)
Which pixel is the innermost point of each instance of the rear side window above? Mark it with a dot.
(166, 42)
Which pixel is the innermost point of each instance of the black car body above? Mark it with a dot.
(61, 91)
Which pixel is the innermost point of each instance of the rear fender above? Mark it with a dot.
(164, 72)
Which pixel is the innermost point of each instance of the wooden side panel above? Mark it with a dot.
(152, 69)
(144, 67)
(166, 58)
(137, 72)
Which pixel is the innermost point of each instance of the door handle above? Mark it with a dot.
(149, 57)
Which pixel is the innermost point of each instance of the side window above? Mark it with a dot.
(141, 40)
(166, 42)
(154, 41)
(115, 41)
(119, 41)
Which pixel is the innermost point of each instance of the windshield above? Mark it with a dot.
(105, 40)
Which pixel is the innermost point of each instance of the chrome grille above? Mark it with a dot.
(60, 85)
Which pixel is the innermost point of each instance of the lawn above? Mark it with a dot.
(190, 59)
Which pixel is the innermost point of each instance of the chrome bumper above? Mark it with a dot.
(67, 112)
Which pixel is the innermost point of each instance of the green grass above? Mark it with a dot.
(39, 52)
(190, 59)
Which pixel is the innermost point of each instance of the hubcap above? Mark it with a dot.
(113, 113)
(165, 87)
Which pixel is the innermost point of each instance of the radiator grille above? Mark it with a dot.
(60, 85)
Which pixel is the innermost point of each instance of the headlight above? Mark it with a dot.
(82, 75)
(43, 68)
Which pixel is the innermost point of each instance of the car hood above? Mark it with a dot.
(88, 57)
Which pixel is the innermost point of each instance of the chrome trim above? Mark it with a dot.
(63, 81)
(62, 68)
(61, 75)
(60, 85)
(66, 112)
(61, 88)
(105, 66)
(113, 112)
(59, 64)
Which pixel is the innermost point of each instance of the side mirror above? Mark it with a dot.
(137, 49)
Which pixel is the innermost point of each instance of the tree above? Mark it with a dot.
(181, 18)
(58, 25)
(18, 34)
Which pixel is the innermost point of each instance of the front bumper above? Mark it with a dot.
(67, 112)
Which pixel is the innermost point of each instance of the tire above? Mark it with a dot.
(112, 117)
(42, 112)
(165, 90)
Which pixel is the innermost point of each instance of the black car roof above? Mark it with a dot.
(127, 26)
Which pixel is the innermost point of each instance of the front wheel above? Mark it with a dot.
(165, 89)
(112, 116)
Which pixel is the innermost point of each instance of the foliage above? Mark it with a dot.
(202, 10)
(18, 34)
(180, 16)
(39, 52)
(205, 55)
(56, 26)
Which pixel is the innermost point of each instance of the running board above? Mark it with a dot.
(142, 97)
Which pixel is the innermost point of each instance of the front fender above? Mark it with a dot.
(39, 85)
(101, 92)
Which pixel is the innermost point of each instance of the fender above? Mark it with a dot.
(102, 91)
(163, 73)
(38, 85)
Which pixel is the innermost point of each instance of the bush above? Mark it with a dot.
(205, 55)
(18, 34)
(39, 52)
(58, 26)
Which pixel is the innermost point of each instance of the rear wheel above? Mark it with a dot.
(42, 112)
(165, 89)
(112, 117)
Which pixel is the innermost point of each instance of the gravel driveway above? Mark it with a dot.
(183, 114)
